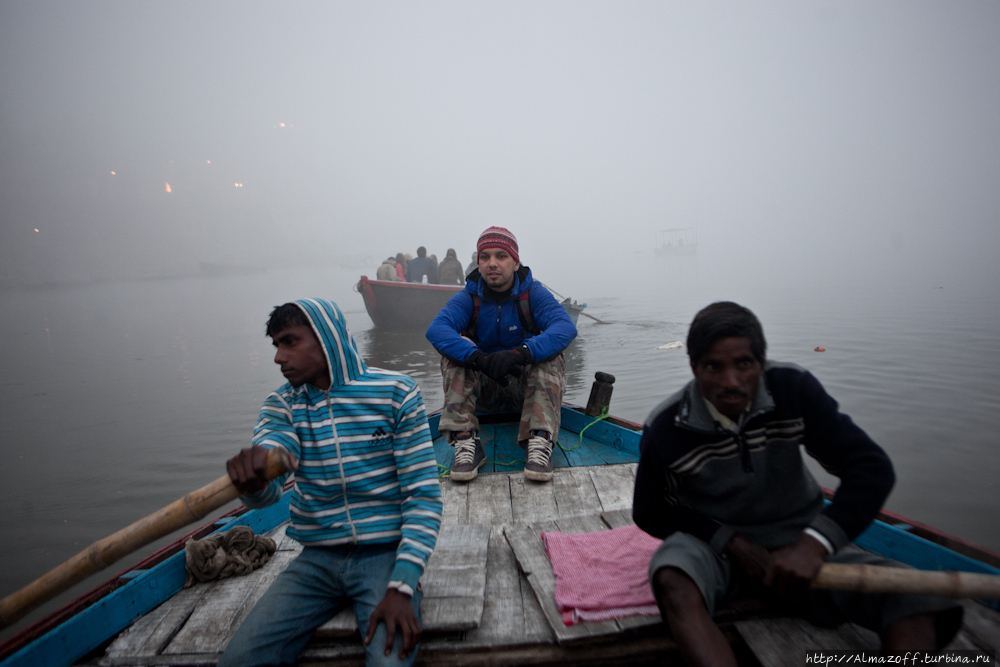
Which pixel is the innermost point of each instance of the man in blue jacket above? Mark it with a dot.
(501, 341)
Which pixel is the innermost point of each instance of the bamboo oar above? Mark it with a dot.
(102, 553)
(880, 579)
(581, 312)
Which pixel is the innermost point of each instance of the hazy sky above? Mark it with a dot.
(821, 140)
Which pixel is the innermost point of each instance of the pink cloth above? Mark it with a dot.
(602, 575)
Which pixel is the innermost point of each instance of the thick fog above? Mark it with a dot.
(825, 143)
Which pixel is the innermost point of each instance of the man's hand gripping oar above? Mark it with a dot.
(799, 566)
(195, 505)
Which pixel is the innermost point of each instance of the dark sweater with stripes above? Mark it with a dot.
(697, 477)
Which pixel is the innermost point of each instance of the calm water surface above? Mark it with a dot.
(119, 398)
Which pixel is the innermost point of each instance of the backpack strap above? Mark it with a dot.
(470, 328)
(523, 314)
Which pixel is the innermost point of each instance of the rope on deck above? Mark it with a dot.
(230, 554)
(604, 415)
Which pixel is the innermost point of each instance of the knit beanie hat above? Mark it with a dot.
(498, 237)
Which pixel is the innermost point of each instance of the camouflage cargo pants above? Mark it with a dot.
(537, 395)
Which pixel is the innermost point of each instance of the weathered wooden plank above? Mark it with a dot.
(454, 581)
(983, 623)
(534, 611)
(489, 500)
(635, 622)
(455, 501)
(280, 537)
(614, 484)
(580, 524)
(503, 613)
(660, 651)
(574, 492)
(454, 584)
(530, 554)
(460, 546)
(531, 500)
(536, 626)
(618, 518)
(150, 633)
(216, 617)
(783, 642)
(510, 613)
(451, 614)
(966, 641)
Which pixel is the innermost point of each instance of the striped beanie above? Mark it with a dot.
(498, 237)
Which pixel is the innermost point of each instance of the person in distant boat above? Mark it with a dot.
(388, 271)
(401, 266)
(421, 269)
(721, 480)
(501, 341)
(450, 270)
(473, 265)
(366, 504)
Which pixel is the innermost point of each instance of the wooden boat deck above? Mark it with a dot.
(488, 588)
(480, 607)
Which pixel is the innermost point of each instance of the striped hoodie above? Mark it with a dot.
(367, 472)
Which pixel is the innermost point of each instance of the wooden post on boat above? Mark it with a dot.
(880, 579)
(103, 553)
(600, 394)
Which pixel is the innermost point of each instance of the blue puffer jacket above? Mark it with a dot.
(499, 326)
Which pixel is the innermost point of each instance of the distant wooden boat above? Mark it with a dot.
(488, 588)
(677, 242)
(397, 305)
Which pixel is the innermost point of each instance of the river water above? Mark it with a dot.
(118, 398)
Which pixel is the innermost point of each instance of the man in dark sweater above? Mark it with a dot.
(722, 481)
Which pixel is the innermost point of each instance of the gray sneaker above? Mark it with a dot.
(469, 458)
(538, 464)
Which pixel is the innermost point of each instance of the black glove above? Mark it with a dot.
(476, 360)
(499, 365)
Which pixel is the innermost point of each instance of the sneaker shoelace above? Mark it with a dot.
(465, 451)
(539, 450)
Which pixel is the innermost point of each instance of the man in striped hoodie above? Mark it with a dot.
(365, 503)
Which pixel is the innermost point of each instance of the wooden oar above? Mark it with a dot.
(879, 579)
(581, 312)
(102, 553)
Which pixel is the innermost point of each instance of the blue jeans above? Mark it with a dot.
(315, 587)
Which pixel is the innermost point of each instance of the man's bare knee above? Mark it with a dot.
(911, 633)
(675, 590)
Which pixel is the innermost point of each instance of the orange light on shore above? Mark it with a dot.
(281, 124)
(168, 188)
(208, 162)
(112, 173)
(36, 229)
(238, 185)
